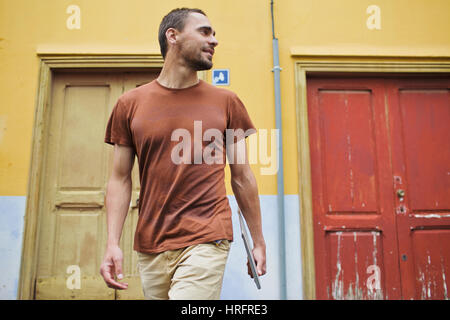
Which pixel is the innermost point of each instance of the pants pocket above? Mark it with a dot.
(223, 244)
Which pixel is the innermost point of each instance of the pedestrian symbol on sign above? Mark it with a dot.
(221, 77)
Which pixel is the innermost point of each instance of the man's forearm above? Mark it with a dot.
(118, 198)
(246, 191)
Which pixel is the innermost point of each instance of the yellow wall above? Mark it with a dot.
(408, 27)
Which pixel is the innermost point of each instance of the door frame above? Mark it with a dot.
(311, 64)
(48, 64)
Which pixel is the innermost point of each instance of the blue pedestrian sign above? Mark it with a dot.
(221, 77)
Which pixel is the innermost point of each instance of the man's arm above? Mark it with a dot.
(245, 189)
(118, 195)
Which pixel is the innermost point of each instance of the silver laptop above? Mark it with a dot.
(248, 248)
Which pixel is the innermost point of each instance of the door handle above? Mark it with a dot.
(401, 193)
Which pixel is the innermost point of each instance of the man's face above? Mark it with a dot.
(197, 42)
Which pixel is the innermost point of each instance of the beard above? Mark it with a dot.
(200, 64)
(197, 62)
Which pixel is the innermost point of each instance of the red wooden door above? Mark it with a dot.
(362, 228)
(420, 139)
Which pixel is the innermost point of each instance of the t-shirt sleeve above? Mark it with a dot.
(118, 127)
(238, 119)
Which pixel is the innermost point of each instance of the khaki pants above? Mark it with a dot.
(191, 273)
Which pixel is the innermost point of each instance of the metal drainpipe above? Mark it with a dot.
(280, 176)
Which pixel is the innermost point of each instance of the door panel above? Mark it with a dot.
(77, 165)
(425, 115)
(420, 136)
(349, 254)
(354, 229)
(431, 254)
(348, 151)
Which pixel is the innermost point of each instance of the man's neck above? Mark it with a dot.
(176, 75)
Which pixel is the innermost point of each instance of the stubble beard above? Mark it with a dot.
(198, 63)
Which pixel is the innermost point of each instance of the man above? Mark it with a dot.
(184, 229)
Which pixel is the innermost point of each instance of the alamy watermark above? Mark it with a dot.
(374, 280)
(190, 150)
(74, 280)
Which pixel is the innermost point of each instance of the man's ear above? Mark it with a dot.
(172, 35)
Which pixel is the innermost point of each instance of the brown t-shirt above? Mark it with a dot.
(183, 198)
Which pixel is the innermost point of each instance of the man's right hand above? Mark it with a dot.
(112, 267)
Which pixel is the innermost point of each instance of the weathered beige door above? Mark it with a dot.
(77, 164)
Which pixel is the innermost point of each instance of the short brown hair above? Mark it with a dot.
(174, 19)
